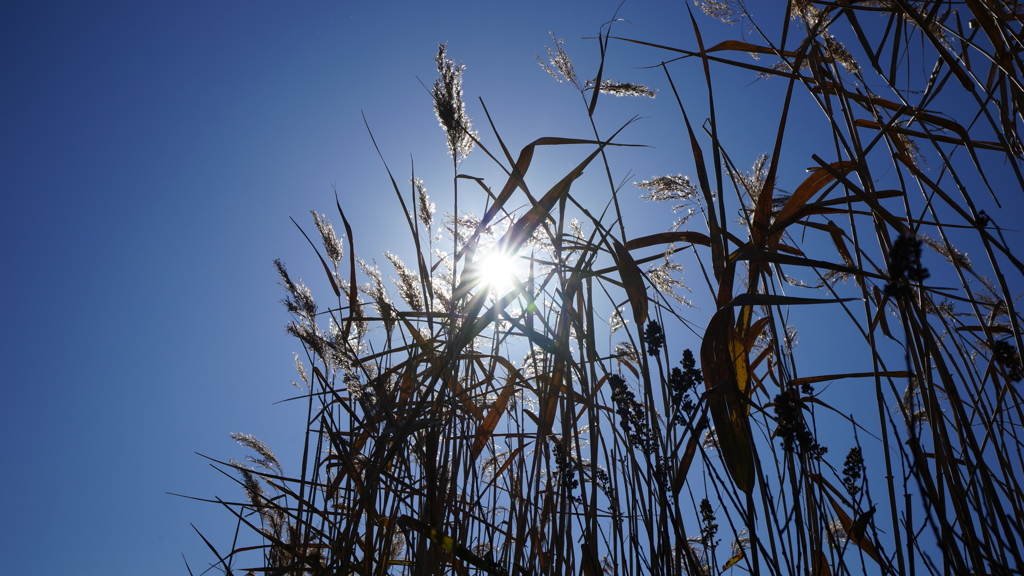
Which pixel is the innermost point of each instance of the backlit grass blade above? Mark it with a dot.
(667, 238)
(802, 195)
(726, 402)
(486, 428)
(632, 282)
(687, 458)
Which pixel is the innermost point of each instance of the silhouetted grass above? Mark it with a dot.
(461, 430)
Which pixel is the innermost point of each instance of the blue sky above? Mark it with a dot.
(150, 156)
(150, 159)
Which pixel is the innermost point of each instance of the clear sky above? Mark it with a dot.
(150, 158)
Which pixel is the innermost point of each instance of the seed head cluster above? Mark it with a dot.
(905, 266)
(796, 437)
(654, 336)
(564, 473)
(682, 382)
(853, 468)
(1005, 355)
(633, 417)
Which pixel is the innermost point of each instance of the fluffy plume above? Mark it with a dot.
(331, 242)
(300, 299)
(424, 207)
(268, 460)
(728, 11)
(561, 66)
(624, 88)
(376, 291)
(408, 283)
(449, 107)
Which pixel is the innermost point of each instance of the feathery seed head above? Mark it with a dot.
(617, 321)
(670, 187)
(332, 244)
(954, 256)
(449, 107)
(728, 11)
(561, 63)
(424, 207)
(623, 88)
(301, 368)
(376, 291)
(268, 460)
(300, 298)
(408, 283)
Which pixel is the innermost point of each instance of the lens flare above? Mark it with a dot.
(498, 271)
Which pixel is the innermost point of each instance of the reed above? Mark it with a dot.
(554, 421)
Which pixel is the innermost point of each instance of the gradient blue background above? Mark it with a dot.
(150, 156)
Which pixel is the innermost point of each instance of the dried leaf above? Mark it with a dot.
(632, 281)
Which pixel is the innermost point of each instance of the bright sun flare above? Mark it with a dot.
(497, 271)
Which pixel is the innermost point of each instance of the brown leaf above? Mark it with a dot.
(801, 196)
(668, 238)
(855, 530)
(823, 568)
(632, 281)
(739, 46)
(963, 141)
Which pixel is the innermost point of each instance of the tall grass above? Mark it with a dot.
(559, 424)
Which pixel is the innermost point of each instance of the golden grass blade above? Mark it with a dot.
(725, 400)
(718, 249)
(802, 195)
(690, 54)
(762, 256)
(523, 228)
(522, 165)
(821, 562)
(778, 300)
(449, 544)
(508, 462)
(855, 531)
(733, 561)
(740, 46)
(486, 428)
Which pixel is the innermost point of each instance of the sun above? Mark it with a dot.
(498, 271)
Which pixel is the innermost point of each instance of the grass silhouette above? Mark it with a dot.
(465, 428)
